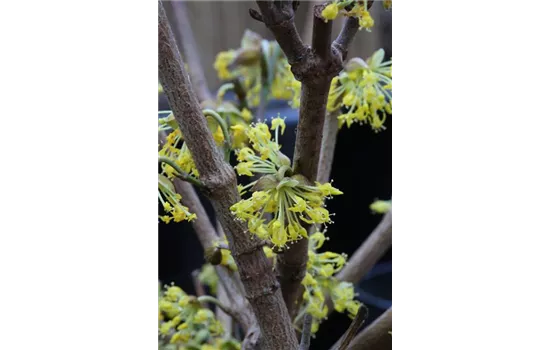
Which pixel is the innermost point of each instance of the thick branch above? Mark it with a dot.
(315, 69)
(321, 33)
(190, 51)
(374, 247)
(376, 336)
(260, 284)
(307, 31)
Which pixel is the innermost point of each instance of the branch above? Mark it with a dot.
(328, 146)
(374, 247)
(199, 289)
(278, 16)
(260, 284)
(321, 33)
(190, 51)
(206, 233)
(315, 68)
(354, 327)
(306, 332)
(211, 299)
(350, 28)
(307, 31)
(376, 336)
(225, 319)
(344, 39)
(181, 174)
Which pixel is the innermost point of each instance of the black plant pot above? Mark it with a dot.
(361, 169)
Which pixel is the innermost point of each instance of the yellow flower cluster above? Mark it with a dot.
(290, 198)
(171, 202)
(320, 281)
(245, 63)
(363, 91)
(175, 149)
(358, 10)
(183, 321)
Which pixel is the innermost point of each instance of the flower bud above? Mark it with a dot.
(213, 255)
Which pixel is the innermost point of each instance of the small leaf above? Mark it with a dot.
(376, 59)
(266, 182)
(247, 57)
(288, 182)
(302, 179)
(163, 180)
(354, 64)
(283, 159)
(227, 107)
(250, 39)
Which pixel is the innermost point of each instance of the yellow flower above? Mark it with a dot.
(380, 207)
(218, 136)
(330, 12)
(223, 60)
(362, 92)
(202, 315)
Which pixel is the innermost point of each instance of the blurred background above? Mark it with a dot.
(361, 169)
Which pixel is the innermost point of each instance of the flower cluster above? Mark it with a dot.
(171, 202)
(358, 9)
(175, 150)
(260, 64)
(319, 281)
(363, 91)
(184, 321)
(292, 199)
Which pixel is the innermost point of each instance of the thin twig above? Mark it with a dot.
(225, 319)
(241, 94)
(199, 289)
(354, 327)
(372, 249)
(328, 147)
(376, 336)
(344, 39)
(181, 174)
(306, 332)
(215, 301)
(223, 125)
